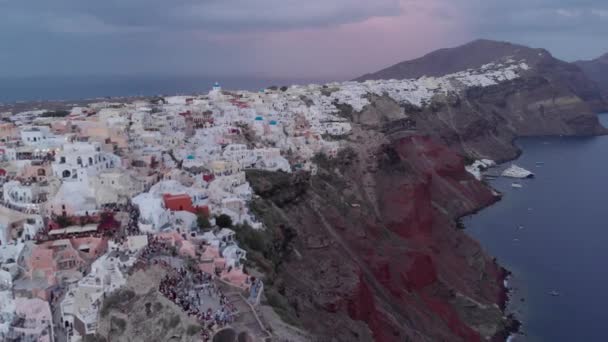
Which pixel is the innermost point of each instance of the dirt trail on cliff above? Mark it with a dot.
(394, 308)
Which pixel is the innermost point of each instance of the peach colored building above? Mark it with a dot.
(36, 170)
(41, 264)
(52, 261)
(8, 131)
(172, 238)
(35, 323)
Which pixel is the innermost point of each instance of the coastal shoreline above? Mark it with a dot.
(506, 296)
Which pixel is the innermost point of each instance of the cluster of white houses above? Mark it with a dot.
(64, 175)
(174, 159)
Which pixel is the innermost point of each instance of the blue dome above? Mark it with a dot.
(216, 84)
(259, 118)
(273, 122)
(190, 157)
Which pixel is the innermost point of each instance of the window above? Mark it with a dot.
(66, 174)
(90, 161)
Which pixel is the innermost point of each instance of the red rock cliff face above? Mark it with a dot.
(380, 257)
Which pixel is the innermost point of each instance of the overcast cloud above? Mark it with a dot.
(312, 38)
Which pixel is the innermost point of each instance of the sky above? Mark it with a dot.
(329, 39)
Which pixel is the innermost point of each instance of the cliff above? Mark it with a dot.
(597, 70)
(368, 248)
(480, 52)
(376, 254)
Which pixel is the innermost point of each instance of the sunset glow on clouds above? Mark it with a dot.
(350, 49)
(314, 39)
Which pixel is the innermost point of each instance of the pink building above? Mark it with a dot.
(52, 261)
(35, 323)
(37, 170)
(8, 131)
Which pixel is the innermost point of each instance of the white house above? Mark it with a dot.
(77, 161)
(36, 135)
(74, 198)
(114, 186)
(81, 304)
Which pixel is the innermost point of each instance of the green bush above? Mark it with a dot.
(193, 330)
(251, 239)
(281, 307)
(118, 324)
(63, 221)
(93, 338)
(203, 222)
(173, 322)
(116, 299)
(223, 221)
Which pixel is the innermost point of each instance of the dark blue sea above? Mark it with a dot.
(562, 244)
(76, 88)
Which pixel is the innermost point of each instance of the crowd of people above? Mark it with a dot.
(118, 233)
(132, 227)
(188, 289)
(28, 208)
(193, 290)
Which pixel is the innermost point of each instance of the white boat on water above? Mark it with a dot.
(517, 172)
(517, 185)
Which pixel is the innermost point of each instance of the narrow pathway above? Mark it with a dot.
(246, 317)
(390, 304)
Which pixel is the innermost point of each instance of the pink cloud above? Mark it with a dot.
(350, 50)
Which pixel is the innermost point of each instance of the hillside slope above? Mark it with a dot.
(597, 70)
(480, 52)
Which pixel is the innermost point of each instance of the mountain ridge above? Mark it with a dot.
(479, 52)
(597, 70)
(447, 60)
